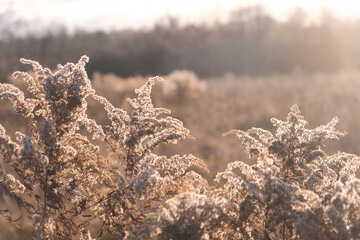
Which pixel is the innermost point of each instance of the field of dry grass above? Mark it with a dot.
(211, 107)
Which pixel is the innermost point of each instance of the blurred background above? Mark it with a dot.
(227, 64)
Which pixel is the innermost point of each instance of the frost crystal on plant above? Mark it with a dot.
(68, 183)
(72, 187)
(294, 190)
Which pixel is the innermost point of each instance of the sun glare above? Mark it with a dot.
(110, 14)
(344, 8)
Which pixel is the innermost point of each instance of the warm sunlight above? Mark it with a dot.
(345, 8)
(109, 14)
(119, 119)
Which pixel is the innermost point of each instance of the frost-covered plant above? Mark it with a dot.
(73, 188)
(133, 137)
(187, 216)
(59, 176)
(294, 190)
(59, 168)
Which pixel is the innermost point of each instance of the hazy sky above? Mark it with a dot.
(115, 14)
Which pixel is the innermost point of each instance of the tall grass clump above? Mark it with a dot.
(58, 176)
(295, 190)
(78, 179)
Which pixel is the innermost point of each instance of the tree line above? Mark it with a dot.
(251, 42)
